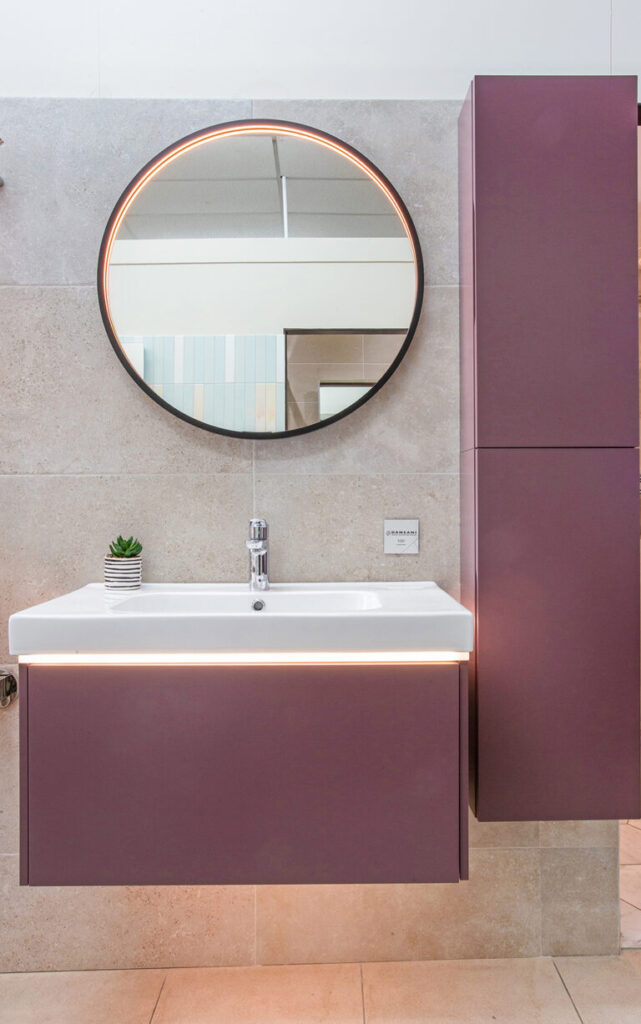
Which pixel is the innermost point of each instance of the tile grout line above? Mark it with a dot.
(23, 285)
(253, 512)
(567, 990)
(540, 882)
(244, 473)
(360, 966)
(255, 926)
(633, 905)
(621, 900)
(108, 474)
(153, 1012)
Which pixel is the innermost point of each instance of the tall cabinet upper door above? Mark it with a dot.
(555, 196)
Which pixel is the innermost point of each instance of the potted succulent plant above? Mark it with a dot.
(123, 566)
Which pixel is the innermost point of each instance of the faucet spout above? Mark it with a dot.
(258, 554)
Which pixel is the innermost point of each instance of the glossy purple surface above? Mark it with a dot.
(236, 774)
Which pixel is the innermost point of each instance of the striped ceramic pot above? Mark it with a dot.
(123, 573)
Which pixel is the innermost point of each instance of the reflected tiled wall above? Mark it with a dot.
(313, 359)
(86, 454)
(233, 381)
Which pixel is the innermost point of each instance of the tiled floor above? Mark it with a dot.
(630, 858)
(565, 990)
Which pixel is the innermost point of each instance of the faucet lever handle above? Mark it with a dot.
(258, 529)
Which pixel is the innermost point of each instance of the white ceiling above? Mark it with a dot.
(231, 188)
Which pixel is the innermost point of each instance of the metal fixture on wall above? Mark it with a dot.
(8, 687)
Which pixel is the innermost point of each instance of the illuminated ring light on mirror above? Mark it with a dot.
(227, 130)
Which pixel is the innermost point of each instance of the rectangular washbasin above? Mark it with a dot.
(192, 618)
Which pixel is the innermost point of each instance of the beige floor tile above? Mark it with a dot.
(630, 889)
(84, 997)
(629, 844)
(605, 990)
(496, 913)
(579, 901)
(319, 994)
(635, 822)
(466, 992)
(630, 926)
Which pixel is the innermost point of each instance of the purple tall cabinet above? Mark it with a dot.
(549, 429)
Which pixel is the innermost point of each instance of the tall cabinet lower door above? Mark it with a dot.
(557, 606)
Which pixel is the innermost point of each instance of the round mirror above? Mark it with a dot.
(260, 279)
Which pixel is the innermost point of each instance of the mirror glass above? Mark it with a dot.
(260, 278)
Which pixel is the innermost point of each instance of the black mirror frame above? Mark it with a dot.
(107, 241)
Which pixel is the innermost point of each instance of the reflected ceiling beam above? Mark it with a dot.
(282, 190)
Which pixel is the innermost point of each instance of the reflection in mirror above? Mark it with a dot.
(249, 270)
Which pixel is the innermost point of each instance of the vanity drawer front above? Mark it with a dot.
(237, 774)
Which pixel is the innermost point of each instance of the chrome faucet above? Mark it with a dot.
(257, 545)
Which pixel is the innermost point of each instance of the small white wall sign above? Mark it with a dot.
(400, 537)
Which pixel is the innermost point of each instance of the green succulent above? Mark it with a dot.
(121, 548)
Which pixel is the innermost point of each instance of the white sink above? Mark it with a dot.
(198, 618)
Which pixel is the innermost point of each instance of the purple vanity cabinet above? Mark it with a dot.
(243, 774)
(550, 428)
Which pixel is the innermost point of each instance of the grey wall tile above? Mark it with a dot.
(495, 914)
(381, 348)
(319, 348)
(503, 833)
(410, 426)
(80, 928)
(331, 528)
(414, 144)
(56, 530)
(74, 407)
(579, 833)
(579, 901)
(65, 163)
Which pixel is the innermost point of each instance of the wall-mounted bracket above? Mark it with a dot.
(8, 687)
